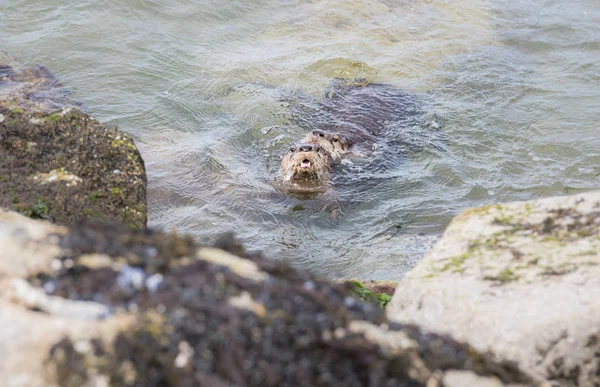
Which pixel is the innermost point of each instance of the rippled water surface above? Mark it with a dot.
(214, 91)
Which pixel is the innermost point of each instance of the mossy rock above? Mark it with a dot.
(66, 166)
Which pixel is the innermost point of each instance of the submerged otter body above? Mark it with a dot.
(372, 109)
(364, 116)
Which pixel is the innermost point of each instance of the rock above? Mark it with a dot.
(57, 163)
(31, 89)
(466, 379)
(181, 314)
(29, 248)
(520, 280)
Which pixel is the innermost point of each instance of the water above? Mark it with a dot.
(208, 90)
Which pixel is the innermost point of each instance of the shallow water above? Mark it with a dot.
(209, 90)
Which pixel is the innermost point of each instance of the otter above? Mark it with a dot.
(306, 167)
(339, 146)
(334, 144)
(375, 122)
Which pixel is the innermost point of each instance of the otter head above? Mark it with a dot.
(334, 144)
(305, 163)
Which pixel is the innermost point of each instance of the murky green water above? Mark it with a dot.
(205, 86)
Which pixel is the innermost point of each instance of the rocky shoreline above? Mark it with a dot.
(57, 162)
(89, 296)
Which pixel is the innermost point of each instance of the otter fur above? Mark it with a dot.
(334, 144)
(305, 164)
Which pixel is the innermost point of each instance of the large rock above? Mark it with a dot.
(27, 249)
(99, 304)
(58, 163)
(519, 279)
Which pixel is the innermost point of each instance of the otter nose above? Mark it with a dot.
(305, 148)
(318, 132)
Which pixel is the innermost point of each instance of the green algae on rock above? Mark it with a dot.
(66, 166)
(379, 292)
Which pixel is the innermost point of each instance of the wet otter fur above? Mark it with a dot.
(306, 165)
(305, 168)
(334, 144)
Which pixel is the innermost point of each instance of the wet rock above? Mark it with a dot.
(182, 314)
(31, 89)
(57, 163)
(519, 279)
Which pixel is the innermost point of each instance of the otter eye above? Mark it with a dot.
(317, 149)
(335, 139)
(321, 134)
(292, 149)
